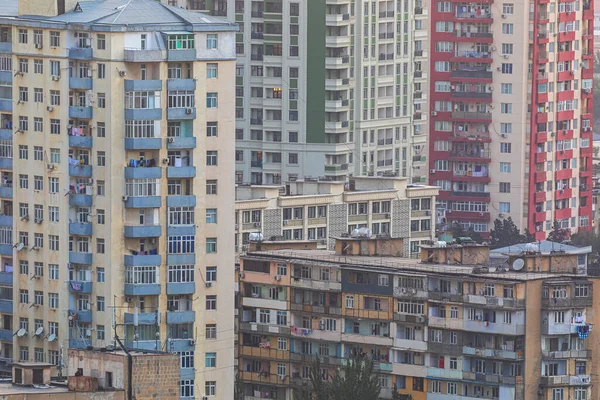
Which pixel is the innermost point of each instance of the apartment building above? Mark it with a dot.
(317, 211)
(328, 88)
(450, 325)
(511, 116)
(116, 146)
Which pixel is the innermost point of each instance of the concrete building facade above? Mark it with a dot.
(328, 88)
(117, 148)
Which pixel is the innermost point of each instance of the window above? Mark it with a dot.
(101, 332)
(24, 267)
(293, 158)
(38, 66)
(38, 95)
(211, 41)
(23, 182)
(210, 360)
(211, 186)
(211, 158)
(53, 240)
(349, 301)
(186, 388)
(211, 215)
(53, 185)
(505, 148)
(508, 29)
(54, 39)
(53, 271)
(211, 274)
(100, 246)
(507, 68)
(211, 331)
(100, 275)
(506, 108)
(101, 100)
(211, 100)
(101, 42)
(210, 388)
(212, 71)
(101, 159)
(504, 207)
(100, 303)
(23, 152)
(504, 187)
(38, 124)
(212, 129)
(383, 280)
(582, 290)
(506, 88)
(38, 153)
(23, 33)
(505, 167)
(100, 188)
(23, 94)
(211, 302)
(53, 300)
(53, 213)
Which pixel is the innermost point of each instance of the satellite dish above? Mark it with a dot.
(39, 331)
(21, 332)
(20, 246)
(88, 332)
(518, 264)
(52, 337)
(70, 318)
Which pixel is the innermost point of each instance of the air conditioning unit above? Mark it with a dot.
(208, 284)
(189, 110)
(170, 140)
(552, 134)
(285, 222)
(242, 274)
(165, 161)
(38, 220)
(499, 69)
(55, 77)
(257, 224)
(237, 227)
(503, 16)
(432, 171)
(128, 299)
(192, 342)
(448, 211)
(505, 56)
(122, 73)
(492, 48)
(434, 113)
(500, 215)
(572, 72)
(452, 87)
(50, 108)
(25, 217)
(38, 45)
(428, 213)
(125, 198)
(504, 135)
(481, 214)
(50, 167)
(277, 277)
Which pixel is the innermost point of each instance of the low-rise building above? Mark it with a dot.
(318, 210)
(450, 325)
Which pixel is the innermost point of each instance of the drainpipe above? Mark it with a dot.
(129, 369)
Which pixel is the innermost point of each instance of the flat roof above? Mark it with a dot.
(10, 389)
(391, 264)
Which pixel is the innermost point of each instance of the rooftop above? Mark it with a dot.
(8, 389)
(545, 247)
(400, 265)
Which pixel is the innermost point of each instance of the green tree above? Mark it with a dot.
(398, 396)
(588, 238)
(505, 233)
(558, 234)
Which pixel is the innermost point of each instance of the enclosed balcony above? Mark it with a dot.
(80, 229)
(77, 139)
(80, 258)
(142, 201)
(80, 170)
(81, 53)
(142, 289)
(143, 231)
(143, 55)
(142, 84)
(175, 288)
(84, 316)
(180, 317)
(143, 318)
(142, 258)
(84, 83)
(76, 112)
(80, 286)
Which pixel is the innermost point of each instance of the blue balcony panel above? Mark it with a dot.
(142, 260)
(80, 83)
(186, 373)
(6, 77)
(6, 192)
(181, 55)
(180, 344)
(180, 317)
(143, 344)
(79, 343)
(181, 172)
(83, 200)
(181, 113)
(80, 171)
(85, 142)
(83, 316)
(6, 105)
(181, 288)
(6, 278)
(80, 287)
(143, 173)
(6, 306)
(142, 143)
(80, 258)
(142, 289)
(181, 230)
(142, 231)
(131, 85)
(81, 112)
(143, 318)
(6, 134)
(181, 84)
(5, 47)
(80, 229)
(143, 202)
(6, 220)
(6, 249)
(80, 53)
(6, 335)
(181, 143)
(139, 114)
(181, 201)
(177, 259)
(6, 163)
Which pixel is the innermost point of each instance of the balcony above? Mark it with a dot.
(181, 288)
(565, 354)
(142, 260)
(181, 113)
(181, 84)
(6, 47)
(81, 53)
(492, 301)
(6, 163)
(317, 285)
(410, 370)
(6, 335)
(335, 168)
(474, 154)
(142, 231)
(179, 142)
(6, 192)
(83, 142)
(80, 258)
(143, 318)
(6, 105)
(81, 112)
(6, 249)
(269, 329)
(152, 345)
(143, 55)
(80, 171)
(492, 353)
(446, 323)
(180, 317)
(316, 309)
(177, 259)
(83, 200)
(81, 316)
(472, 95)
(494, 328)
(6, 306)
(80, 287)
(433, 372)
(570, 302)
(181, 55)
(143, 172)
(486, 37)
(142, 289)
(477, 116)
(565, 380)
(6, 278)
(255, 302)
(142, 202)
(6, 220)
(143, 114)
(80, 229)
(79, 343)
(181, 172)
(147, 143)
(413, 345)
(142, 84)
(80, 83)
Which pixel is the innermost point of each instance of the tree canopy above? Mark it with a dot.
(505, 233)
(558, 234)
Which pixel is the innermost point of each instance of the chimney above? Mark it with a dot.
(46, 8)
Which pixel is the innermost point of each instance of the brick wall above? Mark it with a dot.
(156, 377)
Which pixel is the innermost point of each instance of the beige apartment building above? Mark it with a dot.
(452, 325)
(316, 210)
(328, 88)
(116, 156)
